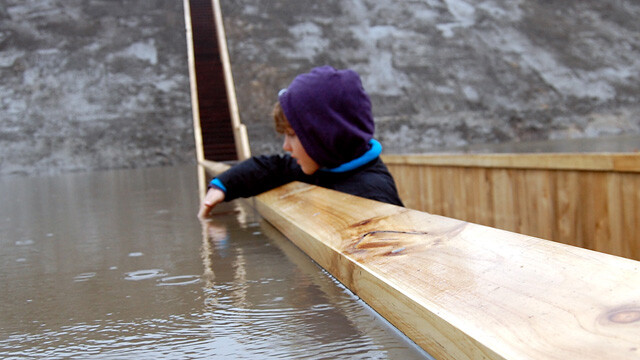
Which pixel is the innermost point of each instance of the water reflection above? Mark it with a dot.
(116, 265)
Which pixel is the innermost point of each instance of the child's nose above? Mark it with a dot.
(285, 145)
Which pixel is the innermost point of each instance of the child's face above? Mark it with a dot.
(292, 144)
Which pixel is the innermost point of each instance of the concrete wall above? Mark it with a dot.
(450, 73)
(104, 84)
(93, 85)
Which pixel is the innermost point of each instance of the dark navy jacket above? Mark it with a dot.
(261, 173)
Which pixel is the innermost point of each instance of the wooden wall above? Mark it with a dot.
(586, 200)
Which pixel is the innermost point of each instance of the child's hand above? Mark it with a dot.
(214, 197)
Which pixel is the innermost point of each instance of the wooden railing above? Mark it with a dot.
(587, 200)
(461, 290)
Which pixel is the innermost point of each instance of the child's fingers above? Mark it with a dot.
(211, 199)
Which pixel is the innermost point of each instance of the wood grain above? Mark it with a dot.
(587, 200)
(466, 291)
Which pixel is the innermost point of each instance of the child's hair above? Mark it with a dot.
(281, 123)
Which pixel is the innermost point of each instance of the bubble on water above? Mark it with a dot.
(25, 242)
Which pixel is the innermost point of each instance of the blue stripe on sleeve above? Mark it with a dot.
(217, 183)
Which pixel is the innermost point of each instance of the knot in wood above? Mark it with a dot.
(624, 316)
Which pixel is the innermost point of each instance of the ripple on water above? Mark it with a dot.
(179, 280)
(84, 276)
(144, 274)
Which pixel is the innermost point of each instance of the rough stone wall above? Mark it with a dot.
(93, 85)
(102, 84)
(449, 73)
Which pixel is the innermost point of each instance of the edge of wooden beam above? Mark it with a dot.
(193, 84)
(465, 291)
(214, 167)
(619, 162)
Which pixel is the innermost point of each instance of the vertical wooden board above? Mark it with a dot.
(615, 242)
(567, 203)
(458, 196)
(476, 195)
(586, 213)
(504, 206)
(397, 171)
(436, 196)
(426, 189)
(537, 212)
(413, 183)
(449, 187)
(486, 197)
(473, 202)
(523, 208)
(439, 190)
(630, 193)
(407, 184)
(393, 170)
(595, 212)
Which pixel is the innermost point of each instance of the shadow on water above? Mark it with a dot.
(115, 264)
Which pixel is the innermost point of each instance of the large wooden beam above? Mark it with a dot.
(465, 291)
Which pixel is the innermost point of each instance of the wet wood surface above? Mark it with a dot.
(466, 291)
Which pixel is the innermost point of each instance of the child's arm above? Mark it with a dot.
(249, 178)
(259, 174)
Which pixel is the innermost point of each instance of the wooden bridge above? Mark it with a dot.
(468, 269)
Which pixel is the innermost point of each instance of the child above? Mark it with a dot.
(326, 118)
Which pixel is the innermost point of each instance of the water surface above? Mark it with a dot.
(116, 265)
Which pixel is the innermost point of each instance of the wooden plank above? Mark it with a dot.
(239, 130)
(195, 107)
(630, 193)
(214, 167)
(620, 162)
(568, 203)
(465, 291)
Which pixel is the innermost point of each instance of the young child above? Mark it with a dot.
(325, 116)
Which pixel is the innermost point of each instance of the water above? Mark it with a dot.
(116, 265)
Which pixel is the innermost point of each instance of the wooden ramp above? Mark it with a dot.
(466, 291)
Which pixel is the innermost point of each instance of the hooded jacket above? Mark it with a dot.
(330, 113)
